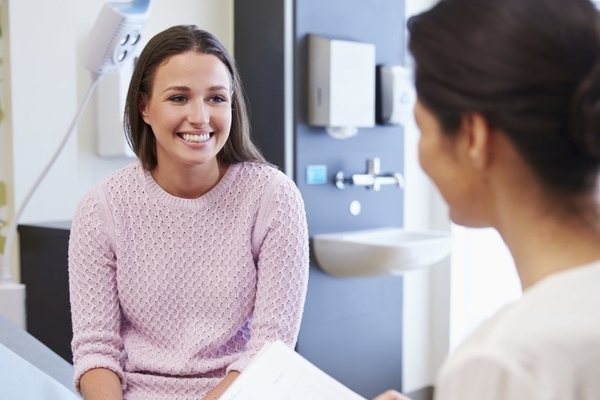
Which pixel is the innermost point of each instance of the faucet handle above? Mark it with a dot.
(340, 180)
(399, 180)
(374, 166)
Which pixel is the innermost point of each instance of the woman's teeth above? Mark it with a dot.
(190, 137)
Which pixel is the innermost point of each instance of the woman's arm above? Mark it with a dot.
(221, 387)
(282, 268)
(95, 311)
(101, 384)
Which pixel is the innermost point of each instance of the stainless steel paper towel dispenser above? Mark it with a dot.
(341, 85)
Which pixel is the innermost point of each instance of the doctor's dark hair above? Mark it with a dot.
(172, 41)
(530, 67)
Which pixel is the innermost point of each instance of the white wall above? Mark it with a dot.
(47, 83)
(484, 279)
(44, 83)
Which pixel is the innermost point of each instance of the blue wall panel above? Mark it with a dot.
(352, 327)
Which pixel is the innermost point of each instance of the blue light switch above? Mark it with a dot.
(316, 174)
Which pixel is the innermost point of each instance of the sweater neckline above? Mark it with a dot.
(158, 193)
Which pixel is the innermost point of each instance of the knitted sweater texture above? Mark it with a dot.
(171, 294)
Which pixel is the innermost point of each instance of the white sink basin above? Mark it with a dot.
(381, 251)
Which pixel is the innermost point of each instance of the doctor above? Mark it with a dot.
(509, 112)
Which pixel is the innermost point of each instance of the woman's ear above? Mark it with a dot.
(479, 140)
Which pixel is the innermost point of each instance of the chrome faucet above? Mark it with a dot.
(373, 179)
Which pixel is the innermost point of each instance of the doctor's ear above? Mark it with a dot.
(479, 139)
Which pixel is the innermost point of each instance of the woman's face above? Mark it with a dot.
(189, 110)
(443, 158)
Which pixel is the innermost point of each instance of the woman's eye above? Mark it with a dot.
(218, 99)
(178, 98)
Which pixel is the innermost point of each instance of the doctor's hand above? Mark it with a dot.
(391, 395)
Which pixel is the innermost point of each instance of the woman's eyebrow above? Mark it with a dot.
(187, 89)
(218, 87)
(177, 88)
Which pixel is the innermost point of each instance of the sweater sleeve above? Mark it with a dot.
(282, 268)
(93, 289)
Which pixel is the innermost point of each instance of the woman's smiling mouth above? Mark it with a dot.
(195, 138)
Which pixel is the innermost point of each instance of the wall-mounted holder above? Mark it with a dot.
(396, 95)
(341, 85)
(110, 105)
(373, 179)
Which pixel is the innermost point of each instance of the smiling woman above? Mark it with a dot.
(184, 264)
(189, 110)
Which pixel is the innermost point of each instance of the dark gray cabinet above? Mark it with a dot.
(44, 271)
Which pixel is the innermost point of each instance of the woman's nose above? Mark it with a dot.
(199, 113)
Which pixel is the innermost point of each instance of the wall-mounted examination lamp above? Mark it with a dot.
(115, 35)
(112, 41)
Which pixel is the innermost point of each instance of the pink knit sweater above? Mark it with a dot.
(172, 293)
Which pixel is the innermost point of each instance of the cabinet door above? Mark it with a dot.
(44, 271)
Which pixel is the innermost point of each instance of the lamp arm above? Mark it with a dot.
(12, 226)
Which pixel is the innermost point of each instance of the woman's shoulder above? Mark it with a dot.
(561, 307)
(556, 322)
(529, 348)
(261, 168)
(116, 181)
(265, 184)
(257, 173)
(123, 175)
